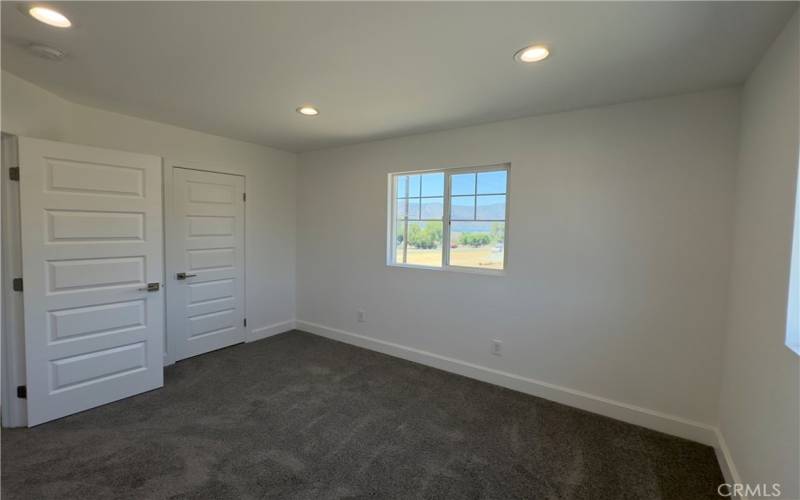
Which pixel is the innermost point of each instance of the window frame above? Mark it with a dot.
(446, 222)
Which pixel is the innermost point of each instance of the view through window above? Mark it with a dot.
(452, 218)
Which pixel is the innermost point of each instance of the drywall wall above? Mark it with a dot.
(28, 110)
(618, 248)
(759, 408)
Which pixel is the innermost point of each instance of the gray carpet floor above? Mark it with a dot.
(298, 416)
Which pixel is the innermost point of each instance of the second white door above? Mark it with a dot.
(205, 262)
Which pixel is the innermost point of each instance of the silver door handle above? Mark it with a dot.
(151, 287)
(183, 276)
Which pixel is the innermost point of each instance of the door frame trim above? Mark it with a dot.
(12, 314)
(170, 339)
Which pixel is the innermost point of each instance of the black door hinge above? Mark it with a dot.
(245, 322)
(22, 391)
(13, 173)
(244, 196)
(16, 284)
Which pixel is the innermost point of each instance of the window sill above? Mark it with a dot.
(453, 269)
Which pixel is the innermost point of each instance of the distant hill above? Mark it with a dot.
(495, 211)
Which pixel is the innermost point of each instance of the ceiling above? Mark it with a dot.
(378, 70)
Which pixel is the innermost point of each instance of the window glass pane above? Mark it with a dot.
(401, 182)
(432, 208)
(424, 244)
(462, 184)
(398, 238)
(491, 207)
(480, 245)
(413, 208)
(413, 185)
(400, 212)
(492, 182)
(462, 208)
(433, 184)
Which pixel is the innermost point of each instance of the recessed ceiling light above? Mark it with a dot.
(534, 53)
(308, 110)
(50, 16)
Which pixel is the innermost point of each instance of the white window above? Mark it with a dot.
(451, 219)
(793, 309)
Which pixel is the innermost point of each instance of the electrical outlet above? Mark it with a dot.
(497, 347)
(362, 315)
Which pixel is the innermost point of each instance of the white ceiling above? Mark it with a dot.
(379, 70)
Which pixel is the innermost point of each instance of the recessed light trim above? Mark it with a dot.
(49, 16)
(307, 110)
(533, 53)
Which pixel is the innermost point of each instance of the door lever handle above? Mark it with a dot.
(183, 276)
(151, 287)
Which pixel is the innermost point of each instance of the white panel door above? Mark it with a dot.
(206, 262)
(91, 243)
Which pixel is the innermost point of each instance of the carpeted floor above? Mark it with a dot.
(299, 416)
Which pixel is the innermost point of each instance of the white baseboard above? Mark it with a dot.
(270, 330)
(651, 419)
(726, 464)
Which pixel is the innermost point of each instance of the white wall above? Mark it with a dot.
(28, 110)
(760, 409)
(619, 244)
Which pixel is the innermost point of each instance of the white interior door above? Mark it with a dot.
(205, 247)
(91, 243)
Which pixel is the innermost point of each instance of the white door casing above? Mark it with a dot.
(205, 311)
(92, 241)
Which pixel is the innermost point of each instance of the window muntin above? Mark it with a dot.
(450, 218)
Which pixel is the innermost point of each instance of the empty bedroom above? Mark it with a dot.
(400, 250)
